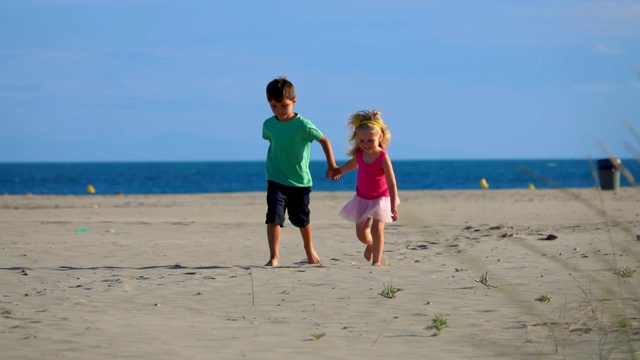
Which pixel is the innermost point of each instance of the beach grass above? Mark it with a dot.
(604, 317)
(389, 291)
(438, 323)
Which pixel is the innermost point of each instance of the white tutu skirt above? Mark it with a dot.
(358, 210)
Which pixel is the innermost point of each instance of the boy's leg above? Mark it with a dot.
(307, 236)
(363, 232)
(300, 216)
(377, 234)
(273, 237)
(276, 205)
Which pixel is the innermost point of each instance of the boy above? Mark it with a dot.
(288, 176)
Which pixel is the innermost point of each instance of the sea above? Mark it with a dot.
(184, 177)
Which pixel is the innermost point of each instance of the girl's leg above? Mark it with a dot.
(363, 232)
(377, 235)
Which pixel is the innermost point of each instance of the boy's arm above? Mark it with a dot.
(328, 153)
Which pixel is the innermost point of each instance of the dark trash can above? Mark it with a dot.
(609, 174)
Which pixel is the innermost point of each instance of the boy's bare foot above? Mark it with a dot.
(313, 258)
(368, 250)
(377, 264)
(272, 262)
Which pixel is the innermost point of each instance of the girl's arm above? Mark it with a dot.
(345, 168)
(393, 187)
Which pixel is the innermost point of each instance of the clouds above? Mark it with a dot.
(464, 79)
(613, 18)
(607, 49)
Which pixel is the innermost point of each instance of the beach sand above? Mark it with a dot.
(182, 277)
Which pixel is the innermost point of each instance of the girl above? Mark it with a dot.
(376, 200)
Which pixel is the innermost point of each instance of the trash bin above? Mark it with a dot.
(608, 173)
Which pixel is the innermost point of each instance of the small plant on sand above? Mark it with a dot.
(624, 323)
(318, 336)
(389, 291)
(437, 324)
(625, 271)
(621, 330)
(484, 280)
(543, 298)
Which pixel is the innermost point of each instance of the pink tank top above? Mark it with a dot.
(372, 182)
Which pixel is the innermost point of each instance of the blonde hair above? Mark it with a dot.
(367, 120)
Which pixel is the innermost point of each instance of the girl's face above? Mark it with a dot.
(368, 140)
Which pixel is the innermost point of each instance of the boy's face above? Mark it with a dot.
(283, 110)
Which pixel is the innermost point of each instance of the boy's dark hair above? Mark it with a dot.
(279, 89)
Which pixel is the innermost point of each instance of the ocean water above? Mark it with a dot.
(247, 176)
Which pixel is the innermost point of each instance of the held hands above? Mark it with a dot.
(337, 172)
(333, 173)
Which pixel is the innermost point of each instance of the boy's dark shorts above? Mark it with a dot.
(292, 199)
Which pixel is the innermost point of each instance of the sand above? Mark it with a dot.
(182, 277)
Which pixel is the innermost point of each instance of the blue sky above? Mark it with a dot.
(116, 80)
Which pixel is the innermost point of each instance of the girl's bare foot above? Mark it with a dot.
(377, 264)
(368, 250)
(272, 262)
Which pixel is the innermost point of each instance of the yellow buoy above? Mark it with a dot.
(484, 184)
(91, 189)
(532, 187)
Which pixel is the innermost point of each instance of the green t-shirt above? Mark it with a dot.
(290, 149)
